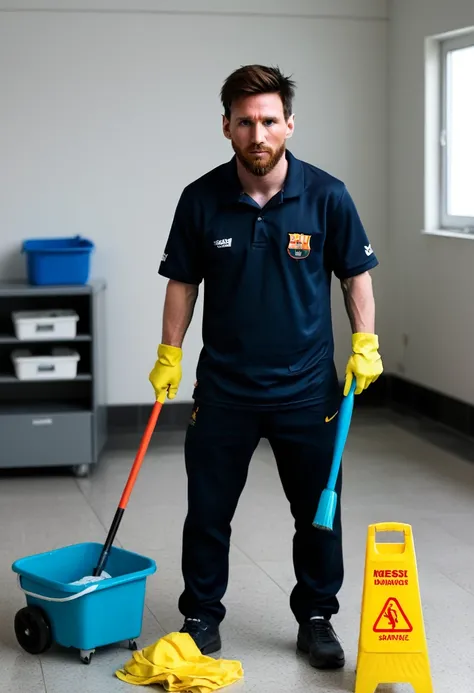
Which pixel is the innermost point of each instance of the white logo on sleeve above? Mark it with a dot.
(223, 243)
(165, 255)
(368, 249)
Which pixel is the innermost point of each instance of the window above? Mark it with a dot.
(457, 134)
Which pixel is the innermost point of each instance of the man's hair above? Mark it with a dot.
(257, 79)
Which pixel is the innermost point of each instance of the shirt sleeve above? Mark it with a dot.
(348, 249)
(182, 257)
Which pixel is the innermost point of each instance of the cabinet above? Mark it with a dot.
(48, 423)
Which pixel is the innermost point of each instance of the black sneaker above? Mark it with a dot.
(318, 639)
(206, 637)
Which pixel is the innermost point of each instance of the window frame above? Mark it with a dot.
(449, 221)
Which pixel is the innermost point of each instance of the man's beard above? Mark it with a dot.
(256, 166)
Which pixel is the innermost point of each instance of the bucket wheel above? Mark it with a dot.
(33, 630)
(86, 656)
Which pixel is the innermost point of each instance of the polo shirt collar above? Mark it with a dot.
(293, 186)
(294, 183)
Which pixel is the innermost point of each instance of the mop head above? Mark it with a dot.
(326, 511)
(87, 579)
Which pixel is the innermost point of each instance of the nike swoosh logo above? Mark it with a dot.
(330, 418)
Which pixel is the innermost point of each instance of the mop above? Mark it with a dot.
(99, 572)
(324, 517)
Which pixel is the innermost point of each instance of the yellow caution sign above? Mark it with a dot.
(392, 640)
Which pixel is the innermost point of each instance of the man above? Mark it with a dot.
(264, 232)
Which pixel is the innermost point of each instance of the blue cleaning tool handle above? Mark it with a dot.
(343, 425)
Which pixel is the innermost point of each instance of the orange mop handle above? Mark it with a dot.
(142, 450)
(132, 477)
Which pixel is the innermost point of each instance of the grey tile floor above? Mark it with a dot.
(391, 474)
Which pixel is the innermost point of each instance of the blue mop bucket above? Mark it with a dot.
(84, 616)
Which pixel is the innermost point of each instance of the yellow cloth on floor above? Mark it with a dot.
(177, 664)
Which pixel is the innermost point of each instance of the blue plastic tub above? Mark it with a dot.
(58, 261)
(86, 616)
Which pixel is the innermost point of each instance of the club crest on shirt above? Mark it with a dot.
(299, 245)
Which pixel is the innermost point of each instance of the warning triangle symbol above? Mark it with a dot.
(392, 619)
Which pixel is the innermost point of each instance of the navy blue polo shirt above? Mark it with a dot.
(267, 329)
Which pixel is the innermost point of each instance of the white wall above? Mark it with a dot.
(432, 282)
(107, 114)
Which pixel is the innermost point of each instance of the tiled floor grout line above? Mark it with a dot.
(42, 674)
(451, 579)
(155, 618)
(106, 529)
(260, 568)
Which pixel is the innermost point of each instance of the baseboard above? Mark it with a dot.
(131, 418)
(389, 391)
(408, 398)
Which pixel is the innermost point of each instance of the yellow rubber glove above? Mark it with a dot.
(167, 373)
(365, 364)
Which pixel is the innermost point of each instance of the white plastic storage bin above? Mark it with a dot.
(45, 324)
(61, 364)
